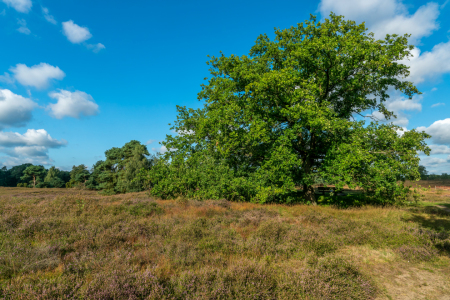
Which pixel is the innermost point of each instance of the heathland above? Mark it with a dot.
(77, 244)
(278, 126)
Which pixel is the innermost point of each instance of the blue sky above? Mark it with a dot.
(80, 77)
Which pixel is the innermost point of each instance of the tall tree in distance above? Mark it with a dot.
(34, 174)
(15, 174)
(78, 176)
(423, 172)
(53, 178)
(292, 111)
(122, 165)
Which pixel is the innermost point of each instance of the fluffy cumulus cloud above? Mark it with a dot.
(386, 16)
(161, 150)
(48, 16)
(439, 131)
(23, 6)
(23, 27)
(75, 33)
(400, 106)
(72, 104)
(391, 16)
(38, 76)
(433, 161)
(32, 137)
(429, 65)
(439, 149)
(30, 147)
(15, 110)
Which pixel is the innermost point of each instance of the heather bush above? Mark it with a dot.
(79, 245)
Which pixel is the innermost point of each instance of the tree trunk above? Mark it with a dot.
(309, 194)
(34, 181)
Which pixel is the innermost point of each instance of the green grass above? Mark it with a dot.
(67, 244)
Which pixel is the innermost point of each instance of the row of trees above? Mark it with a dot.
(30, 175)
(116, 174)
(425, 176)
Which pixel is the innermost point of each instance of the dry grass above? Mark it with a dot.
(67, 244)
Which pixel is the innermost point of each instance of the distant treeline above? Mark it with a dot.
(425, 176)
(116, 174)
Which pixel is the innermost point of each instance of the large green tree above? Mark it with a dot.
(53, 178)
(293, 111)
(117, 173)
(78, 176)
(34, 174)
(15, 173)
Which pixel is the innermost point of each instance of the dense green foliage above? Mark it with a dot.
(117, 174)
(283, 117)
(22, 176)
(12, 176)
(34, 174)
(78, 176)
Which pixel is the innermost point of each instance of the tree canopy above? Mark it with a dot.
(292, 112)
(117, 173)
(34, 174)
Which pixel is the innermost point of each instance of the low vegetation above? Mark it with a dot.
(76, 244)
(275, 124)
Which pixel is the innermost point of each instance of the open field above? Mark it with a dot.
(71, 244)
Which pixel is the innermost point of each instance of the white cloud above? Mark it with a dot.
(32, 137)
(386, 16)
(436, 165)
(401, 131)
(14, 160)
(439, 149)
(399, 105)
(402, 104)
(150, 142)
(6, 78)
(429, 65)
(96, 48)
(74, 33)
(31, 151)
(15, 110)
(48, 16)
(161, 150)
(437, 104)
(23, 26)
(30, 147)
(22, 6)
(432, 161)
(38, 76)
(421, 24)
(72, 104)
(439, 131)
